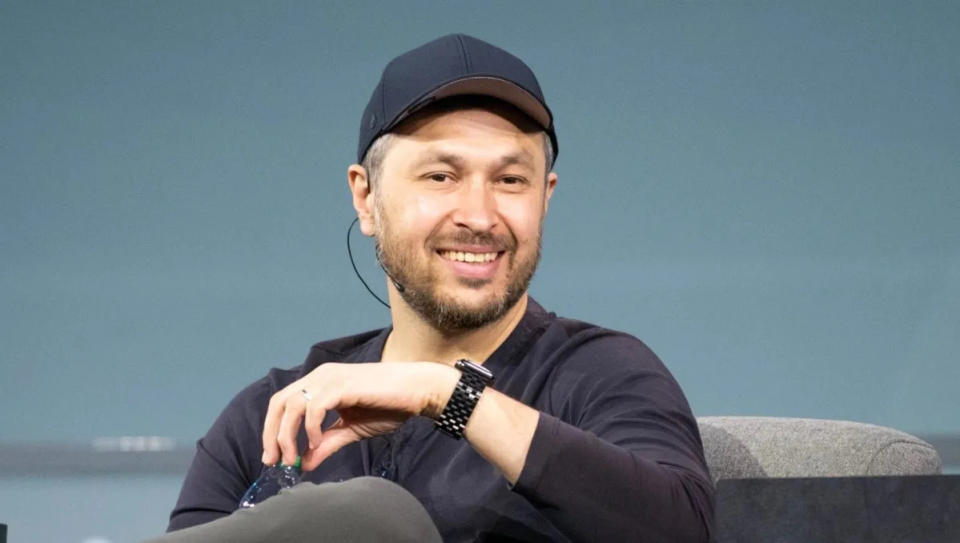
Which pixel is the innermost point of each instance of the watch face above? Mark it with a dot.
(467, 365)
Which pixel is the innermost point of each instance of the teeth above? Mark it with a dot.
(461, 256)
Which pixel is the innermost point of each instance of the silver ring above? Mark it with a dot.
(306, 395)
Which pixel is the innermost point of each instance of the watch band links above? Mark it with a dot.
(473, 379)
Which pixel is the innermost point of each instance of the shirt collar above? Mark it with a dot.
(535, 319)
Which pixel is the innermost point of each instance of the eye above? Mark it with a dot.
(512, 180)
(439, 177)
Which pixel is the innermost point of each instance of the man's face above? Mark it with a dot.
(459, 209)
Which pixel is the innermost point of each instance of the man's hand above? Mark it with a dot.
(371, 399)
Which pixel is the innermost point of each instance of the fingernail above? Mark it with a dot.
(264, 457)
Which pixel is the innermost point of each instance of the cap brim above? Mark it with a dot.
(488, 86)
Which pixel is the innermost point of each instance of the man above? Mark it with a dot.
(572, 431)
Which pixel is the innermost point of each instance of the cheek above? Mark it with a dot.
(418, 215)
(426, 208)
(522, 219)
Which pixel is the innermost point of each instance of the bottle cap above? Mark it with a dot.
(296, 465)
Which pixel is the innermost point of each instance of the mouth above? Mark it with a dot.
(469, 257)
(472, 264)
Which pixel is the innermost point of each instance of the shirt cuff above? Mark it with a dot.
(544, 441)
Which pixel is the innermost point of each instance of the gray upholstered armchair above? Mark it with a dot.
(787, 479)
(755, 447)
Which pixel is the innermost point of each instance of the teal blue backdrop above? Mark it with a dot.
(765, 193)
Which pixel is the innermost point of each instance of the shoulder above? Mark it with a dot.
(340, 349)
(585, 367)
(578, 345)
(360, 347)
(568, 342)
(610, 382)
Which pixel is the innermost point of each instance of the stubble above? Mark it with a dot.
(406, 265)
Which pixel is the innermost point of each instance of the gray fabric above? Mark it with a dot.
(364, 509)
(887, 509)
(749, 447)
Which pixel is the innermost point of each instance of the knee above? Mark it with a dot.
(368, 505)
(365, 491)
(358, 496)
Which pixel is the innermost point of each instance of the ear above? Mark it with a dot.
(362, 198)
(551, 184)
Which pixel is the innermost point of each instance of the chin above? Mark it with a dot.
(474, 298)
(455, 310)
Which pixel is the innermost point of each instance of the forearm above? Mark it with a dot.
(501, 430)
(645, 486)
(590, 488)
(594, 490)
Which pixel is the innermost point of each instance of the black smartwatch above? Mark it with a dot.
(473, 379)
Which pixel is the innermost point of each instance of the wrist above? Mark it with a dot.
(444, 382)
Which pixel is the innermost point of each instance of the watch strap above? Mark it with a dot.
(473, 379)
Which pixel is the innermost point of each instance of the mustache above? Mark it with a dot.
(463, 237)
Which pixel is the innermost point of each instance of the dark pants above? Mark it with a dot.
(362, 509)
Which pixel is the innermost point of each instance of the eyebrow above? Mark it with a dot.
(522, 158)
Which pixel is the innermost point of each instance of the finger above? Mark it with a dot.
(313, 422)
(334, 438)
(271, 427)
(286, 437)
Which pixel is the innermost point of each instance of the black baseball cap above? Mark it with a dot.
(452, 65)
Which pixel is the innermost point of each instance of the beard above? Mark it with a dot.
(420, 280)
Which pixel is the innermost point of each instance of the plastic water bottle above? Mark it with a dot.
(271, 482)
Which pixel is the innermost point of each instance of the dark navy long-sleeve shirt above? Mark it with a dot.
(616, 455)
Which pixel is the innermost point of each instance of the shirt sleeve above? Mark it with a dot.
(620, 458)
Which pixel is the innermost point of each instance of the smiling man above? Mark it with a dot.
(477, 415)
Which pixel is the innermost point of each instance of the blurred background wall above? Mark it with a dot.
(765, 193)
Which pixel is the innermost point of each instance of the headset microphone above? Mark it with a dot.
(350, 254)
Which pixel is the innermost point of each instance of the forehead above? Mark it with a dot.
(491, 131)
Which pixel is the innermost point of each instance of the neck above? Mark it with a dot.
(413, 339)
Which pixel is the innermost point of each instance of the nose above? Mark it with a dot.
(476, 207)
